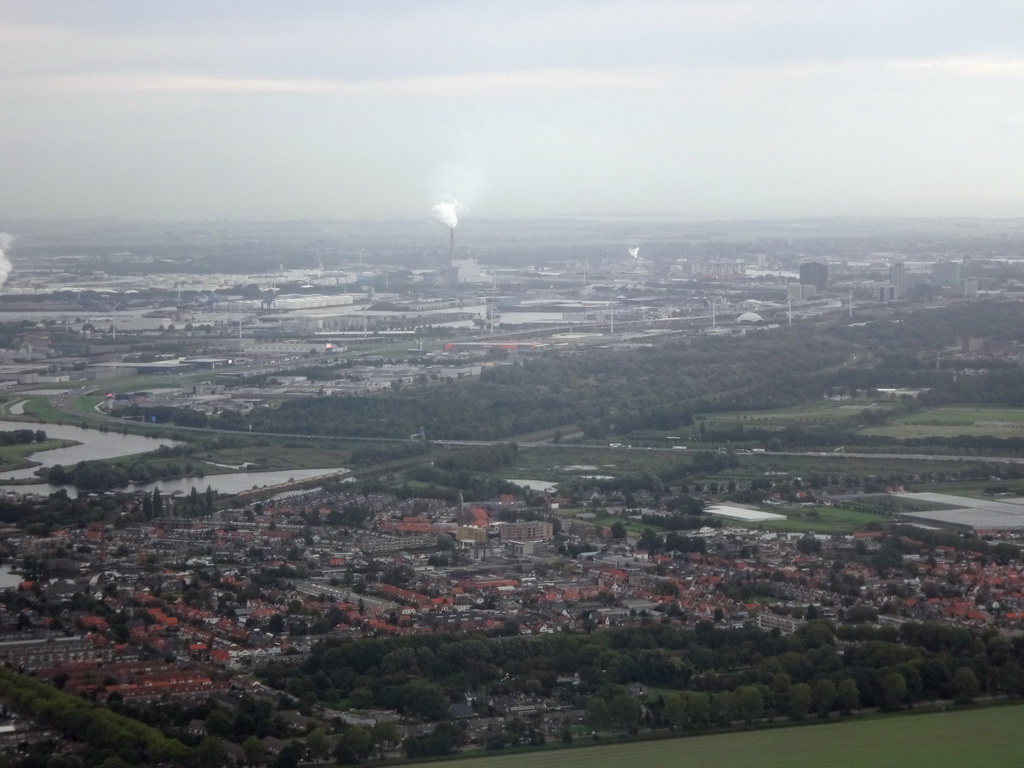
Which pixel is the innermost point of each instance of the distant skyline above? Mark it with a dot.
(730, 109)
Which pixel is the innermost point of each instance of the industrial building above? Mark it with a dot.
(968, 514)
(816, 274)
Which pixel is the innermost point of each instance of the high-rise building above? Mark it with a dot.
(947, 274)
(816, 274)
(898, 279)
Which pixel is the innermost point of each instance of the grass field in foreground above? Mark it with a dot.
(988, 737)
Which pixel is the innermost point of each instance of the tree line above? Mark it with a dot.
(713, 677)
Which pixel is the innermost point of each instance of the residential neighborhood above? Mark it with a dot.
(187, 611)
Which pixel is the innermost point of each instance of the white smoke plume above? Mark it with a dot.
(447, 213)
(635, 252)
(5, 263)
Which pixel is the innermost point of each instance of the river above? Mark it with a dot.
(95, 444)
(234, 482)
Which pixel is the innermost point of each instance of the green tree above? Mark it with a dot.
(598, 713)
(823, 695)
(1011, 678)
(698, 707)
(674, 711)
(218, 723)
(357, 741)
(317, 744)
(625, 711)
(749, 703)
(848, 695)
(289, 756)
(385, 735)
(965, 685)
(799, 701)
(255, 751)
(361, 698)
(565, 733)
(894, 691)
(211, 752)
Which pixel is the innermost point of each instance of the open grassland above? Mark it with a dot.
(988, 737)
(952, 421)
(574, 463)
(817, 412)
(557, 462)
(752, 465)
(818, 520)
(277, 457)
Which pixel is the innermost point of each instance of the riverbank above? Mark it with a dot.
(15, 457)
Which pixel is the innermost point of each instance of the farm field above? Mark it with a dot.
(572, 463)
(752, 465)
(983, 737)
(566, 461)
(819, 411)
(952, 421)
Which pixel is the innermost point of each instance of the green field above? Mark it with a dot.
(817, 412)
(953, 421)
(988, 737)
(818, 520)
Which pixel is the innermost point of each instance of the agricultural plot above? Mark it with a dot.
(984, 737)
(818, 412)
(952, 421)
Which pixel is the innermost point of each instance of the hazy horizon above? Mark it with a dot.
(728, 110)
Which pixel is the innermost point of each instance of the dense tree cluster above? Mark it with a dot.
(105, 734)
(605, 391)
(39, 516)
(22, 436)
(480, 459)
(714, 677)
(611, 392)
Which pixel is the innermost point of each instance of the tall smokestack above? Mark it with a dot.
(5, 263)
(447, 215)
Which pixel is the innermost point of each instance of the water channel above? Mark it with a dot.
(95, 444)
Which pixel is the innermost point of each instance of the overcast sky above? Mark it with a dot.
(710, 108)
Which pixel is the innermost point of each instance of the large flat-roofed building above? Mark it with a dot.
(534, 530)
(968, 514)
(816, 274)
